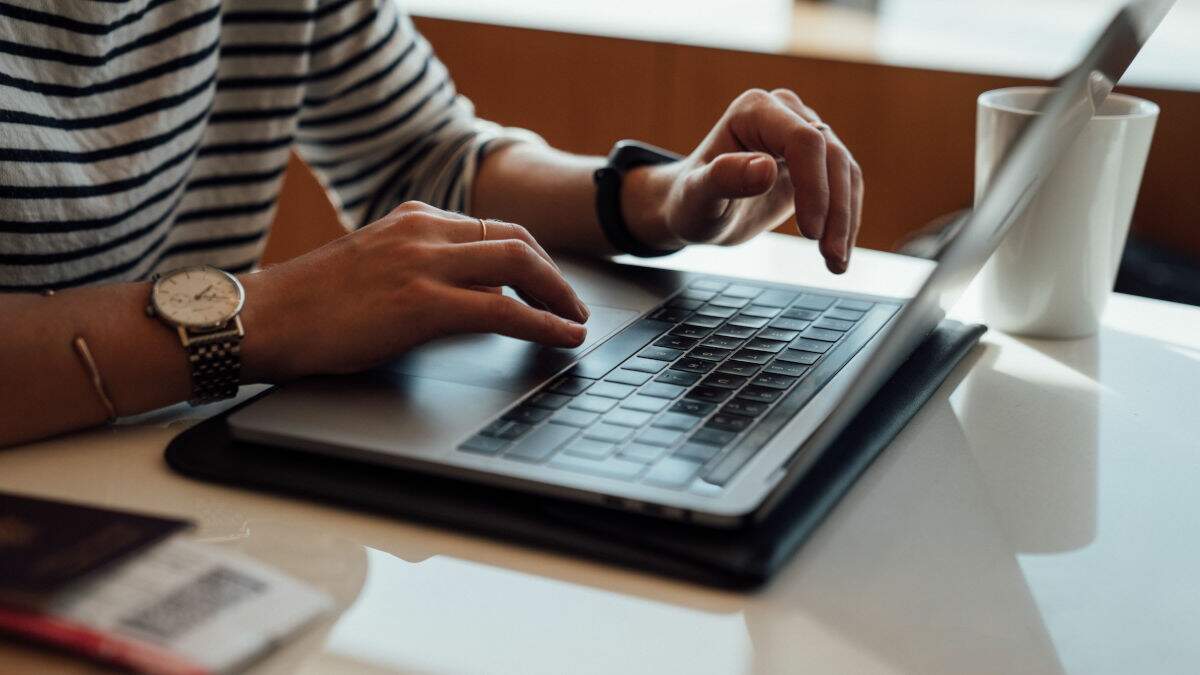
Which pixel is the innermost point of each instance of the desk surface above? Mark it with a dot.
(1040, 515)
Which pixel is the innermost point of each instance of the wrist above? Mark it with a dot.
(645, 192)
(264, 350)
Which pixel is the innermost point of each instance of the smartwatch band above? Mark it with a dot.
(625, 155)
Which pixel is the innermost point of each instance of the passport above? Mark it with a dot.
(45, 546)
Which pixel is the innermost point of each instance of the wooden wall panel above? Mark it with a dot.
(912, 130)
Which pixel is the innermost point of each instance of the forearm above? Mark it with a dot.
(46, 389)
(551, 193)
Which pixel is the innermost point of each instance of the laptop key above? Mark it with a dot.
(790, 325)
(483, 445)
(613, 467)
(777, 334)
(676, 342)
(729, 422)
(760, 311)
(760, 394)
(740, 291)
(797, 356)
(729, 301)
(765, 345)
(677, 421)
(708, 285)
(786, 368)
(856, 305)
(644, 365)
(691, 407)
(641, 452)
(685, 303)
(628, 418)
(814, 301)
(660, 353)
(775, 298)
(808, 345)
(708, 353)
(748, 321)
(822, 334)
(671, 314)
(705, 321)
(698, 294)
(527, 414)
(801, 314)
(495, 428)
(595, 404)
(571, 386)
(606, 357)
(723, 342)
(717, 437)
(709, 394)
(627, 377)
(679, 377)
(744, 407)
(758, 358)
(663, 390)
(739, 332)
(541, 443)
(843, 314)
(672, 472)
(699, 452)
(687, 330)
(513, 430)
(693, 365)
(738, 368)
(659, 436)
(715, 311)
(772, 381)
(548, 401)
(574, 418)
(608, 432)
(645, 404)
(834, 324)
(723, 381)
(588, 447)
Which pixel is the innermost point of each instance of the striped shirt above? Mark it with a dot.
(143, 135)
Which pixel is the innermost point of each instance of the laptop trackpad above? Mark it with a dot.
(502, 363)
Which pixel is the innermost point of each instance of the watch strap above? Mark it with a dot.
(625, 155)
(216, 365)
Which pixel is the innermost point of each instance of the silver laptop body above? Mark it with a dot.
(496, 410)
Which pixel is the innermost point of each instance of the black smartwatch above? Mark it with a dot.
(625, 155)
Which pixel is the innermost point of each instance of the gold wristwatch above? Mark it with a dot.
(202, 303)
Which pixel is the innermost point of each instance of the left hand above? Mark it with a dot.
(769, 156)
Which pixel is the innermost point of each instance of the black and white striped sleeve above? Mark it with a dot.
(381, 121)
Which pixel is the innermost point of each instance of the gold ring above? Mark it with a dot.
(482, 229)
(820, 126)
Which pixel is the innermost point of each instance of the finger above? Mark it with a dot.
(859, 188)
(458, 228)
(512, 262)
(836, 237)
(472, 312)
(709, 189)
(792, 100)
(762, 122)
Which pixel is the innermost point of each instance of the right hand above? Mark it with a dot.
(416, 274)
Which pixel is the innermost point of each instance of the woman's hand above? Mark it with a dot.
(768, 156)
(414, 275)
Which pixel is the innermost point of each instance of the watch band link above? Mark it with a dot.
(216, 368)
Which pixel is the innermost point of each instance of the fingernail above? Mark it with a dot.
(758, 171)
(576, 331)
(584, 312)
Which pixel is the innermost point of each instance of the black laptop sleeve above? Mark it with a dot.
(743, 558)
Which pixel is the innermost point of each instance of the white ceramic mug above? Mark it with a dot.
(1053, 273)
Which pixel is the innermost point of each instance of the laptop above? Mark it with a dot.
(696, 397)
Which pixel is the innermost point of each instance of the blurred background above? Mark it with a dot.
(897, 79)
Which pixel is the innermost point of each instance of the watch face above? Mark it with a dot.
(197, 297)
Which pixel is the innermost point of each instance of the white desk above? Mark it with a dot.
(1040, 515)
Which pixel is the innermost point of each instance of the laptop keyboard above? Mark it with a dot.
(693, 390)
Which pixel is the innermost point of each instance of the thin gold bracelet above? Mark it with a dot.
(89, 363)
(85, 355)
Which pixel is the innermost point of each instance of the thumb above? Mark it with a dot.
(729, 176)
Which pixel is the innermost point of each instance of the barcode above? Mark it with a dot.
(187, 606)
